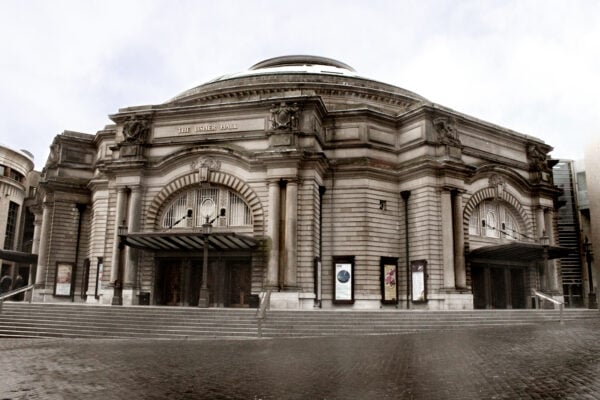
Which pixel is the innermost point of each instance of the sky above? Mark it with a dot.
(530, 66)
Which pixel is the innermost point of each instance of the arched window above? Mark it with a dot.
(495, 219)
(491, 225)
(197, 206)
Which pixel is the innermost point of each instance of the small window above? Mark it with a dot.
(11, 225)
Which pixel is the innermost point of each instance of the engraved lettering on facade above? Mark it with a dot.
(203, 128)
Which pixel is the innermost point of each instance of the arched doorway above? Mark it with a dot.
(203, 244)
(499, 278)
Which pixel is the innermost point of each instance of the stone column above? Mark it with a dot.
(447, 239)
(40, 276)
(552, 269)
(541, 231)
(291, 235)
(133, 225)
(540, 222)
(273, 234)
(460, 273)
(35, 245)
(116, 251)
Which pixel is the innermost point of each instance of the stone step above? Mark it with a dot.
(90, 321)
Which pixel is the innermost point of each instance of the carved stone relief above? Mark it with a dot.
(447, 132)
(497, 182)
(136, 129)
(204, 166)
(285, 117)
(537, 159)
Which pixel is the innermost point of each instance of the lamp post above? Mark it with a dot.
(203, 300)
(587, 248)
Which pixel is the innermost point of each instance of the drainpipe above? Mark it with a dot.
(81, 208)
(405, 195)
(320, 282)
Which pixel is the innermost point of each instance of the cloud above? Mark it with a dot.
(525, 65)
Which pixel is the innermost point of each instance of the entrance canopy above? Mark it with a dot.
(519, 252)
(190, 241)
(18, 256)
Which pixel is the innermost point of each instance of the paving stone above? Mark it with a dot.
(548, 361)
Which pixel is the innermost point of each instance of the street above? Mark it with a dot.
(544, 361)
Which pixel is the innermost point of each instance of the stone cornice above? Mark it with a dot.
(329, 85)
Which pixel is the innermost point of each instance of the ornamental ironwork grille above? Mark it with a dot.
(494, 219)
(191, 209)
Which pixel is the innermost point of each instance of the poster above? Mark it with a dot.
(418, 280)
(389, 274)
(64, 279)
(343, 282)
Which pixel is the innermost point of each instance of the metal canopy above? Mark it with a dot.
(190, 241)
(519, 252)
(18, 256)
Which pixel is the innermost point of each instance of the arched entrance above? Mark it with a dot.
(203, 246)
(499, 278)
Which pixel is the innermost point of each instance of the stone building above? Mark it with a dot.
(302, 178)
(18, 181)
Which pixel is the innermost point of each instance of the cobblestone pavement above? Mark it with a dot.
(533, 362)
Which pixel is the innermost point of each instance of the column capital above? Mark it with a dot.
(293, 181)
(273, 181)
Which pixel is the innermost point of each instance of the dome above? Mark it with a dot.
(294, 71)
(300, 61)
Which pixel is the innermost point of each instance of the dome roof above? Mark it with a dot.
(294, 69)
(300, 61)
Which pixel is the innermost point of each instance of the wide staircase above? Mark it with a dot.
(22, 319)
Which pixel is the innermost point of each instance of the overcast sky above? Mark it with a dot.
(530, 66)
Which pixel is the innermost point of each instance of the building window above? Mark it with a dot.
(16, 176)
(220, 205)
(491, 226)
(495, 219)
(11, 225)
(11, 173)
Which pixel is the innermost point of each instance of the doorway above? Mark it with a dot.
(178, 281)
(498, 287)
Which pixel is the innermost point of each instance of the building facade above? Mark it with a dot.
(569, 233)
(18, 181)
(300, 178)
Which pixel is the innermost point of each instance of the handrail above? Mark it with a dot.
(261, 313)
(552, 300)
(15, 292)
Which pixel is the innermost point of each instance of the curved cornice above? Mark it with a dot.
(485, 171)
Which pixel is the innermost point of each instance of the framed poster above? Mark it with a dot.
(63, 282)
(317, 282)
(389, 280)
(343, 280)
(99, 272)
(419, 283)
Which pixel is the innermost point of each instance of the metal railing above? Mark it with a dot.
(261, 313)
(551, 299)
(12, 293)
